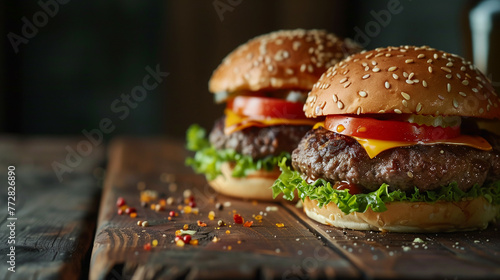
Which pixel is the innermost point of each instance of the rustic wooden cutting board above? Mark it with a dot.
(302, 249)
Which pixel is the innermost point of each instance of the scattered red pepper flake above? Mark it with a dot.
(120, 202)
(238, 219)
(280, 225)
(186, 238)
(185, 227)
(201, 224)
(147, 246)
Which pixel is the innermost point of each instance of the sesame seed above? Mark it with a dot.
(270, 68)
(387, 85)
(410, 82)
(369, 55)
(440, 97)
(459, 76)
(411, 75)
(397, 111)
(405, 74)
(463, 68)
(475, 90)
(364, 64)
(249, 56)
(376, 69)
(348, 84)
(374, 63)
(367, 68)
(296, 45)
(449, 76)
(289, 71)
(318, 110)
(488, 107)
(421, 55)
(481, 110)
(393, 68)
(366, 76)
(335, 98)
(419, 107)
(310, 68)
(455, 103)
(303, 68)
(405, 95)
(286, 54)
(465, 82)
(448, 87)
(424, 83)
(362, 93)
(387, 55)
(340, 104)
(446, 69)
(462, 93)
(359, 110)
(430, 69)
(311, 50)
(429, 60)
(395, 76)
(343, 80)
(409, 61)
(405, 103)
(436, 56)
(449, 64)
(345, 72)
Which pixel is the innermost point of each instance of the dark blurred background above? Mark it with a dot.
(67, 65)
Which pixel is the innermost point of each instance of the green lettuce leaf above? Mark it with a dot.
(208, 160)
(323, 192)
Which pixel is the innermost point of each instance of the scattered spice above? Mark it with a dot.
(239, 242)
(139, 223)
(159, 208)
(120, 202)
(145, 224)
(201, 224)
(238, 219)
(179, 243)
(155, 243)
(130, 210)
(219, 206)
(186, 238)
(211, 215)
(195, 211)
(194, 242)
(280, 225)
(248, 224)
(258, 218)
(215, 239)
(133, 215)
(221, 223)
(185, 227)
(144, 204)
(229, 248)
(228, 232)
(172, 213)
(187, 209)
(187, 193)
(147, 246)
(170, 201)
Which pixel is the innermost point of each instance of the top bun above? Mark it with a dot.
(404, 80)
(287, 59)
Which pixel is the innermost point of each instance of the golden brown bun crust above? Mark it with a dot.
(255, 186)
(406, 79)
(287, 59)
(472, 214)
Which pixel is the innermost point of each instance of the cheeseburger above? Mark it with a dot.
(264, 83)
(399, 150)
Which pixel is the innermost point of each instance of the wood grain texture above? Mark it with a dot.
(261, 251)
(55, 219)
(302, 249)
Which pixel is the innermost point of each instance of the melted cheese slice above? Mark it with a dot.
(373, 147)
(235, 122)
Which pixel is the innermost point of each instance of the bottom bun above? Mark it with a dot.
(466, 215)
(256, 185)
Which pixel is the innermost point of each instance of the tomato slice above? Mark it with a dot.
(266, 107)
(388, 129)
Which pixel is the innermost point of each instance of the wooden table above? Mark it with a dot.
(57, 221)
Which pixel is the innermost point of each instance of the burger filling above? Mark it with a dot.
(332, 167)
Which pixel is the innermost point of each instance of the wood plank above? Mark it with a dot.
(260, 251)
(461, 255)
(55, 220)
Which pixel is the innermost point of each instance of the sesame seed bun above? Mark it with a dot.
(474, 214)
(287, 59)
(256, 185)
(406, 79)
